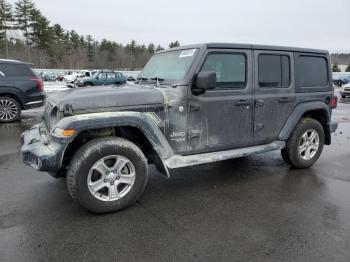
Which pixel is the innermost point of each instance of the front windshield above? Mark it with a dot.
(172, 65)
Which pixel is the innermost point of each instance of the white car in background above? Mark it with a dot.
(345, 90)
(73, 76)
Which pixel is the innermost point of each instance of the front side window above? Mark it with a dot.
(230, 69)
(102, 76)
(172, 65)
(274, 71)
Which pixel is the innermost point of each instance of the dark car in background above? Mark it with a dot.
(340, 80)
(20, 89)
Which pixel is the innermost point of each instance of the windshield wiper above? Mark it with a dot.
(158, 80)
(140, 79)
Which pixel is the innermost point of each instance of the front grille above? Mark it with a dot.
(347, 89)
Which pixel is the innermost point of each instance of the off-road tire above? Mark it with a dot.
(291, 154)
(12, 101)
(86, 157)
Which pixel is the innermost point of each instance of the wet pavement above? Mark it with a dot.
(249, 209)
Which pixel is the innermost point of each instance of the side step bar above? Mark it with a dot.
(191, 160)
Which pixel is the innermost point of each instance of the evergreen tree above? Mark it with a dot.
(174, 44)
(58, 33)
(335, 68)
(347, 68)
(40, 34)
(23, 12)
(74, 39)
(151, 49)
(90, 48)
(5, 16)
(159, 48)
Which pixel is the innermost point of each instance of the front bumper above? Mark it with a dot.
(41, 153)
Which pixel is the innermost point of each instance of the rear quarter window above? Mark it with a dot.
(311, 72)
(11, 70)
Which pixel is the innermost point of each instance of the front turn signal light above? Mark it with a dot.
(63, 132)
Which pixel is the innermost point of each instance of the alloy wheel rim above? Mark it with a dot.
(8, 110)
(309, 144)
(111, 178)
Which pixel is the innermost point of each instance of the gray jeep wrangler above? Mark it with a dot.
(190, 105)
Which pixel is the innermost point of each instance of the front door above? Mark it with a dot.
(274, 93)
(101, 79)
(222, 118)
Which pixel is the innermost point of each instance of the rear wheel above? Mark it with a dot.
(107, 174)
(10, 109)
(88, 84)
(305, 144)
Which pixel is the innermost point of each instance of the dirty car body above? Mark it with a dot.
(193, 105)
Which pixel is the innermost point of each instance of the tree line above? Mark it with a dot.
(51, 46)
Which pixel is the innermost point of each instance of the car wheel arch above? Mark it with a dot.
(316, 110)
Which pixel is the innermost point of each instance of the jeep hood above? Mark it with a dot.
(98, 97)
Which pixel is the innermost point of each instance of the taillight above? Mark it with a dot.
(333, 101)
(39, 83)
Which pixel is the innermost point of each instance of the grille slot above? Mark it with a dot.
(47, 114)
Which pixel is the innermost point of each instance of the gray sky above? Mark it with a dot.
(321, 24)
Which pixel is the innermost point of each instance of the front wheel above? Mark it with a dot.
(107, 174)
(305, 144)
(10, 109)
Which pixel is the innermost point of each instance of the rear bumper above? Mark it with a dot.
(39, 152)
(34, 101)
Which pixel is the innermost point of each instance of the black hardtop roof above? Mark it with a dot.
(249, 46)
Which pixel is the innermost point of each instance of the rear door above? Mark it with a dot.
(274, 93)
(222, 118)
(111, 78)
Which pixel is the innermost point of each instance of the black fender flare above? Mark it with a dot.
(297, 114)
(142, 121)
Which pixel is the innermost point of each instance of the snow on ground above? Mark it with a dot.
(55, 86)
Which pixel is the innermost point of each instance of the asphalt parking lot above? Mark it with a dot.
(249, 209)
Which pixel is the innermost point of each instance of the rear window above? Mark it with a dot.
(274, 71)
(311, 71)
(15, 70)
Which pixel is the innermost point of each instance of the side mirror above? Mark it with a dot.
(205, 81)
(97, 77)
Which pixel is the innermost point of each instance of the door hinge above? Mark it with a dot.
(193, 107)
(194, 134)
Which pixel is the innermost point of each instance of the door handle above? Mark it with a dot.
(286, 99)
(243, 103)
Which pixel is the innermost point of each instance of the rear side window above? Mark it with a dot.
(230, 69)
(15, 70)
(274, 71)
(311, 71)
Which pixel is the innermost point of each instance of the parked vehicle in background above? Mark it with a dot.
(103, 77)
(345, 90)
(191, 105)
(20, 89)
(340, 80)
(73, 77)
(50, 77)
